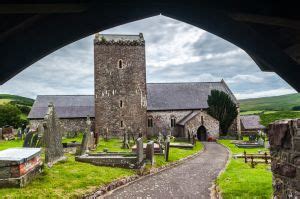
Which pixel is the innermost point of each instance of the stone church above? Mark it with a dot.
(123, 101)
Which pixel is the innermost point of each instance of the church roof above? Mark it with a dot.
(182, 96)
(66, 106)
(160, 96)
(251, 122)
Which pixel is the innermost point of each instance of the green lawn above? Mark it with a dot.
(72, 179)
(239, 180)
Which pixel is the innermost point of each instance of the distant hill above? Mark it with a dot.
(276, 103)
(15, 99)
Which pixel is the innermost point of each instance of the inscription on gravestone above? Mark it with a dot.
(52, 137)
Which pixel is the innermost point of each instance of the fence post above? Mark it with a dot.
(252, 162)
(266, 160)
(245, 155)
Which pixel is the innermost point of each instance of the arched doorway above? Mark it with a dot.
(202, 133)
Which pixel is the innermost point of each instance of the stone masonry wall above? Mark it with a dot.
(210, 123)
(69, 125)
(284, 138)
(163, 119)
(114, 84)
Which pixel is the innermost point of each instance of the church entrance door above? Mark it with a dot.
(202, 133)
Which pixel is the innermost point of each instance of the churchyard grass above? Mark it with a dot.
(177, 154)
(239, 180)
(72, 179)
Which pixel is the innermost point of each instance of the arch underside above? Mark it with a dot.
(267, 31)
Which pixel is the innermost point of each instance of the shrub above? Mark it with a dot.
(10, 115)
(296, 108)
(221, 107)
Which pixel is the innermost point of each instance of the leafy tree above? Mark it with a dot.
(10, 115)
(221, 107)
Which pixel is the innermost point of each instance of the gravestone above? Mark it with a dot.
(189, 136)
(90, 134)
(27, 139)
(20, 134)
(150, 152)
(167, 148)
(140, 150)
(52, 137)
(125, 141)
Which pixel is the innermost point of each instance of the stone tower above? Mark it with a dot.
(120, 83)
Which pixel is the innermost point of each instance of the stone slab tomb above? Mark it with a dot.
(284, 138)
(181, 145)
(157, 149)
(18, 166)
(115, 159)
(52, 137)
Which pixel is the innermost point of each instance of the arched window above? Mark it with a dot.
(173, 121)
(122, 123)
(121, 103)
(150, 122)
(120, 64)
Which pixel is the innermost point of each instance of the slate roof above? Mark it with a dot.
(182, 96)
(251, 122)
(66, 106)
(160, 96)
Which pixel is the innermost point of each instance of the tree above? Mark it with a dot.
(10, 115)
(221, 107)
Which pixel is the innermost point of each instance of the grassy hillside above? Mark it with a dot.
(7, 98)
(276, 103)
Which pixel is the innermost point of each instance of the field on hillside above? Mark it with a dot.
(6, 98)
(276, 103)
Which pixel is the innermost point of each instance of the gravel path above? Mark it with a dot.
(191, 179)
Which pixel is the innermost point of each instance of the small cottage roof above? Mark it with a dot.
(251, 122)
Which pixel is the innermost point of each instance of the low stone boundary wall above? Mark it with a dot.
(284, 138)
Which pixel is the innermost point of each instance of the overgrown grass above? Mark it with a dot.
(239, 180)
(271, 117)
(72, 179)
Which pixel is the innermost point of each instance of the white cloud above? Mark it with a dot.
(245, 78)
(267, 93)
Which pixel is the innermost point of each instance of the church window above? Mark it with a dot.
(122, 123)
(120, 64)
(121, 103)
(150, 122)
(173, 122)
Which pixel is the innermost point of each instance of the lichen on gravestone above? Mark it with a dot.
(52, 137)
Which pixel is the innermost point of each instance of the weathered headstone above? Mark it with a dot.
(125, 141)
(20, 134)
(150, 152)
(167, 148)
(140, 150)
(52, 137)
(189, 136)
(28, 139)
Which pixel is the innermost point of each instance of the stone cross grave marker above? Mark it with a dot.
(150, 152)
(27, 139)
(87, 138)
(139, 150)
(52, 137)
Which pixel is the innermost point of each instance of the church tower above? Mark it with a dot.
(120, 83)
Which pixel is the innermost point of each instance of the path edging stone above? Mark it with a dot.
(120, 183)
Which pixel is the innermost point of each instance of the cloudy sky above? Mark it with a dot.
(175, 52)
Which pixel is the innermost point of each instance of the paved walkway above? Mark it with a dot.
(191, 179)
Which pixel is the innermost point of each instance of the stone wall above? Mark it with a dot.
(68, 125)
(162, 119)
(284, 138)
(120, 93)
(210, 123)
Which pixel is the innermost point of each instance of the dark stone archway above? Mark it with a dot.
(202, 133)
(267, 30)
